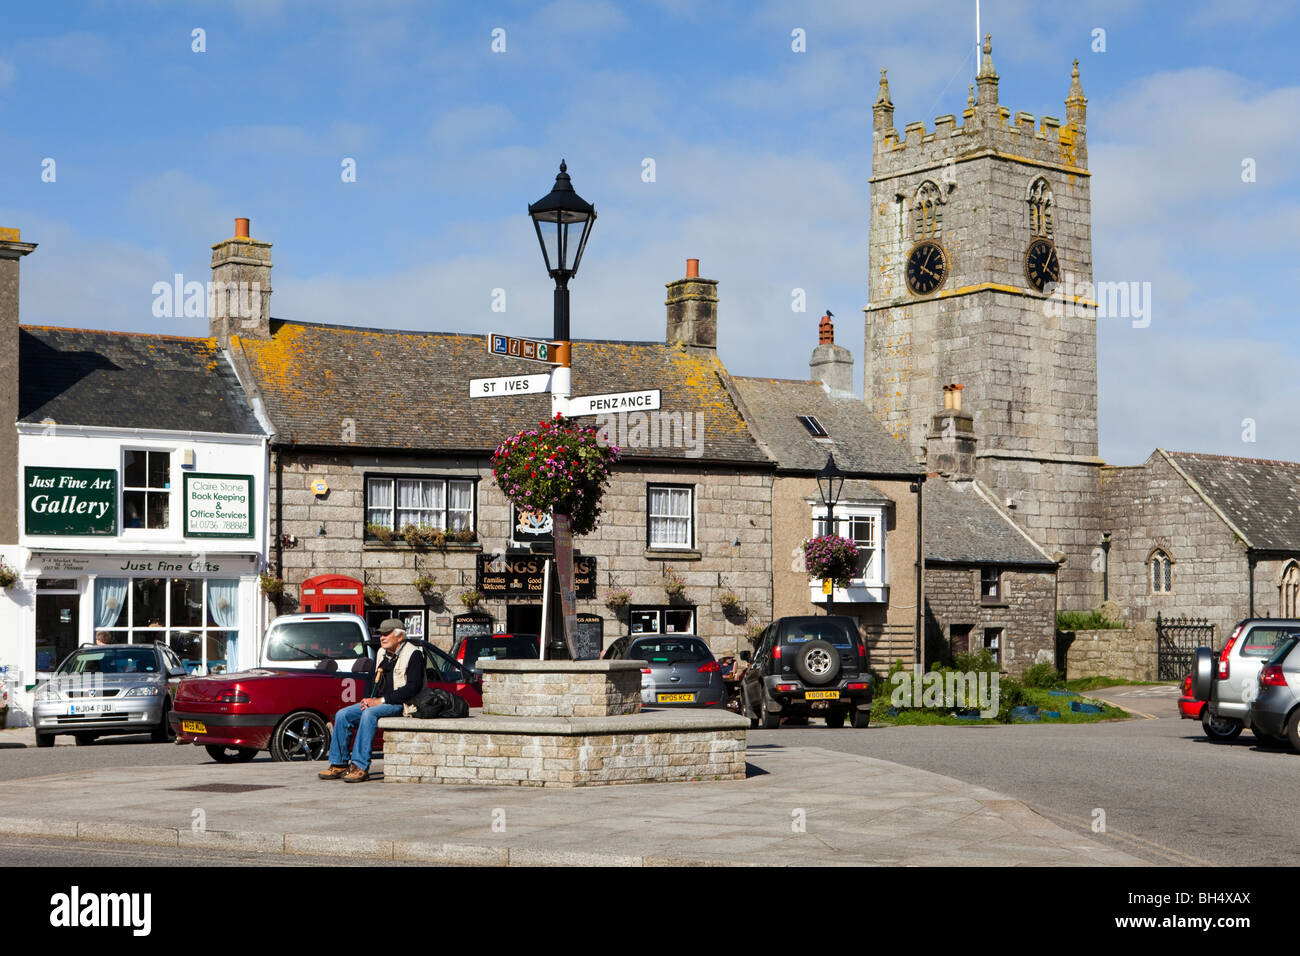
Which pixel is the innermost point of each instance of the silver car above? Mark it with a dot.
(679, 671)
(1276, 711)
(109, 689)
(1229, 680)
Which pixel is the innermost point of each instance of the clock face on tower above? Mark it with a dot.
(1041, 265)
(927, 267)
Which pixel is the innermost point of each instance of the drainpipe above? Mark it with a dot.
(279, 504)
(919, 487)
(1250, 578)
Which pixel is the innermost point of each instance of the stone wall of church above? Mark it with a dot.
(1026, 613)
(1150, 506)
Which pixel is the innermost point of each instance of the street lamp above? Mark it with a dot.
(830, 481)
(557, 216)
(563, 221)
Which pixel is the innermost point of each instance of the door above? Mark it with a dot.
(57, 634)
(524, 619)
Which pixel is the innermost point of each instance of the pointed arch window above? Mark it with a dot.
(1162, 572)
(1289, 603)
(1040, 208)
(927, 212)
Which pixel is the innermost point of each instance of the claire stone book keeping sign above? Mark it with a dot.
(70, 501)
(218, 506)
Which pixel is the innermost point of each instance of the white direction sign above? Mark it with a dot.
(509, 385)
(646, 400)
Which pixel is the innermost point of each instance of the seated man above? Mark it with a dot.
(398, 678)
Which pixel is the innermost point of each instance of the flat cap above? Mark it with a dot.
(391, 624)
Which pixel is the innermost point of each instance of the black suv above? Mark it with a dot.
(807, 666)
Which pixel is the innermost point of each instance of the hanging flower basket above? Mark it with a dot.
(424, 584)
(729, 601)
(374, 594)
(832, 558)
(470, 599)
(8, 576)
(674, 584)
(617, 598)
(557, 467)
(272, 586)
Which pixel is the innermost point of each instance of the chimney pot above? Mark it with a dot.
(241, 228)
(692, 268)
(826, 330)
(956, 397)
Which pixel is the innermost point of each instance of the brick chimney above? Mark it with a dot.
(693, 309)
(11, 250)
(831, 364)
(240, 299)
(950, 445)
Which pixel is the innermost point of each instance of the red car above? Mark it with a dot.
(1188, 706)
(288, 709)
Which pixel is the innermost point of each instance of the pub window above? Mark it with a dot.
(670, 519)
(662, 620)
(146, 489)
(1162, 572)
(443, 503)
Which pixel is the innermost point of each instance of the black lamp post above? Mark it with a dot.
(830, 481)
(563, 220)
(1105, 566)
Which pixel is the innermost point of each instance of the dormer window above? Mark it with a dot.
(813, 425)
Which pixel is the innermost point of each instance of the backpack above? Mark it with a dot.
(433, 702)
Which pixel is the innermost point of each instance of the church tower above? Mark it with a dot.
(972, 229)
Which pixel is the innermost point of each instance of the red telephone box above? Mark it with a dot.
(333, 592)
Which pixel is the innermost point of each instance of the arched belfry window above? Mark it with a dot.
(1162, 571)
(1040, 208)
(1289, 602)
(928, 212)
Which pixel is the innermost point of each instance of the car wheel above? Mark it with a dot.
(45, 740)
(302, 735)
(769, 720)
(818, 662)
(84, 739)
(163, 733)
(861, 718)
(223, 754)
(835, 718)
(1293, 729)
(1219, 728)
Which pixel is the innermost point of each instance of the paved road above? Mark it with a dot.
(17, 762)
(43, 851)
(1169, 795)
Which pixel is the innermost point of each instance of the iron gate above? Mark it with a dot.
(1177, 639)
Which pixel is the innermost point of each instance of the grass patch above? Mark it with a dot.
(1018, 696)
(1097, 683)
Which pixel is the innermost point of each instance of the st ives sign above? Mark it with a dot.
(70, 501)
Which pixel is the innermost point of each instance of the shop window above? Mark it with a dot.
(146, 489)
(443, 503)
(197, 618)
(670, 516)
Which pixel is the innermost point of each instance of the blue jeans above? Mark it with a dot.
(365, 722)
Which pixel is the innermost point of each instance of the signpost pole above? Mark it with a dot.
(561, 387)
(546, 611)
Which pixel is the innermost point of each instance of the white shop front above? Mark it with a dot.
(132, 537)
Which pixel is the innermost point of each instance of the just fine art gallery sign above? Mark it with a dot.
(70, 501)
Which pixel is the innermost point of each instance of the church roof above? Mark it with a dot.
(129, 380)
(332, 385)
(963, 526)
(1259, 498)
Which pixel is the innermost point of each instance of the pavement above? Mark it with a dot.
(797, 806)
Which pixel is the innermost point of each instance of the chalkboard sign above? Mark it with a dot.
(471, 625)
(590, 639)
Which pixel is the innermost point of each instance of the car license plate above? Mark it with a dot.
(822, 695)
(89, 708)
(676, 698)
(194, 727)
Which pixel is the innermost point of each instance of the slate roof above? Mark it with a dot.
(858, 442)
(1259, 496)
(410, 390)
(132, 380)
(962, 526)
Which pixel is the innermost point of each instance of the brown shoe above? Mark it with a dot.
(356, 775)
(333, 773)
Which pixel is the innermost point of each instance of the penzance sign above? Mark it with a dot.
(70, 501)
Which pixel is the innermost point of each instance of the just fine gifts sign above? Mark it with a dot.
(70, 501)
(218, 506)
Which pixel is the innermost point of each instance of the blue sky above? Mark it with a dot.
(761, 156)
